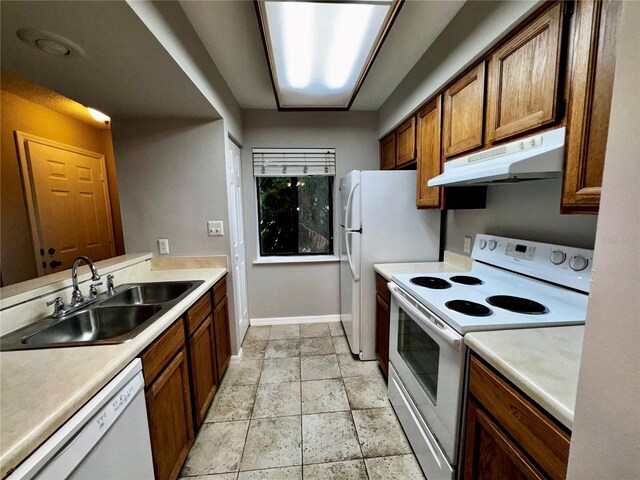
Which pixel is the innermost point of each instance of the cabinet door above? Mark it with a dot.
(591, 86)
(429, 155)
(204, 378)
(388, 152)
(170, 421)
(523, 78)
(222, 336)
(406, 142)
(490, 454)
(464, 113)
(382, 333)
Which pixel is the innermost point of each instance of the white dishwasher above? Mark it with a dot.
(107, 439)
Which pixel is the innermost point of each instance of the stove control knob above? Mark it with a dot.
(578, 263)
(482, 244)
(492, 244)
(557, 257)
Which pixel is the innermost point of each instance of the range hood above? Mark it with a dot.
(537, 157)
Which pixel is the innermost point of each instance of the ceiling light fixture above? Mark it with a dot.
(50, 43)
(319, 52)
(99, 116)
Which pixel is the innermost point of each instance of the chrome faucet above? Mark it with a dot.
(77, 298)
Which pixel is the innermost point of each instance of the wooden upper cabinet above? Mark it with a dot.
(429, 154)
(523, 78)
(406, 142)
(464, 113)
(388, 152)
(591, 86)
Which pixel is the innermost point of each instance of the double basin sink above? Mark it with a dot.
(111, 319)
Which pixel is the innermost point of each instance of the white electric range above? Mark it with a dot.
(512, 284)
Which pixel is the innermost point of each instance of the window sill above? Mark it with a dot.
(293, 259)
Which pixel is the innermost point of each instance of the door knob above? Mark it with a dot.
(55, 263)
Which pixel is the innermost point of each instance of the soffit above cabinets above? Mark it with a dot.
(231, 35)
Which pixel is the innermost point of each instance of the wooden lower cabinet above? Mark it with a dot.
(222, 336)
(204, 377)
(170, 421)
(383, 318)
(507, 436)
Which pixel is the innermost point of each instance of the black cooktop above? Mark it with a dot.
(466, 280)
(469, 308)
(517, 304)
(431, 282)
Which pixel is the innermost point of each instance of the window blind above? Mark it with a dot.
(293, 162)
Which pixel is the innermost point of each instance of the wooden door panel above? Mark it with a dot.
(464, 113)
(382, 334)
(222, 337)
(203, 369)
(170, 421)
(523, 78)
(429, 154)
(406, 142)
(388, 152)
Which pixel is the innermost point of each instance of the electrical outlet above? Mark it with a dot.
(215, 229)
(163, 246)
(467, 244)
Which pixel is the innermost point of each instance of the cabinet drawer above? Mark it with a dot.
(158, 354)
(382, 289)
(198, 312)
(219, 291)
(536, 434)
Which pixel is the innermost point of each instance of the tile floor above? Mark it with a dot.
(300, 406)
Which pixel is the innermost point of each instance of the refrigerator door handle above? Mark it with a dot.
(348, 212)
(354, 275)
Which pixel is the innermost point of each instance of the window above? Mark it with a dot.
(295, 201)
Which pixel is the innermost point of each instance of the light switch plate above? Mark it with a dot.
(467, 244)
(215, 228)
(163, 246)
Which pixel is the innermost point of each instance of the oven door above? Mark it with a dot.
(428, 356)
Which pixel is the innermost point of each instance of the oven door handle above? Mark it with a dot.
(441, 329)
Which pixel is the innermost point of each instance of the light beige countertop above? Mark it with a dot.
(41, 389)
(453, 262)
(542, 362)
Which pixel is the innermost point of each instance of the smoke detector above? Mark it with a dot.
(50, 43)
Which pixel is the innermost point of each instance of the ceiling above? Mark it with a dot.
(230, 33)
(124, 71)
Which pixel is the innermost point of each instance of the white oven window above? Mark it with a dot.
(420, 352)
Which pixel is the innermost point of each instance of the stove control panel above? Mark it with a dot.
(559, 264)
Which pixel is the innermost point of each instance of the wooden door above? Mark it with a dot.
(523, 78)
(382, 334)
(170, 421)
(591, 86)
(204, 378)
(68, 202)
(464, 113)
(429, 154)
(490, 454)
(406, 142)
(222, 336)
(388, 152)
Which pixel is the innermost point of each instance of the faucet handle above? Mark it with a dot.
(58, 306)
(110, 288)
(93, 291)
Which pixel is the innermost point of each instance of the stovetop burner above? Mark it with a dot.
(466, 280)
(431, 282)
(469, 308)
(517, 304)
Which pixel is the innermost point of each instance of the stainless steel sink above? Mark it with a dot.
(93, 325)
(111, 319)
(149, 293)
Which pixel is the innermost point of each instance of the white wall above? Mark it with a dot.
(477, 26)
(172, 179)
(606, 429)
(300, 289)
(529, 210)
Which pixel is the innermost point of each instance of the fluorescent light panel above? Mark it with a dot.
(319, 50)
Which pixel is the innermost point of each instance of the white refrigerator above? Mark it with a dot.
(379, 223)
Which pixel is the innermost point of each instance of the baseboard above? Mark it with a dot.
(236, 358)
(292, 320)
